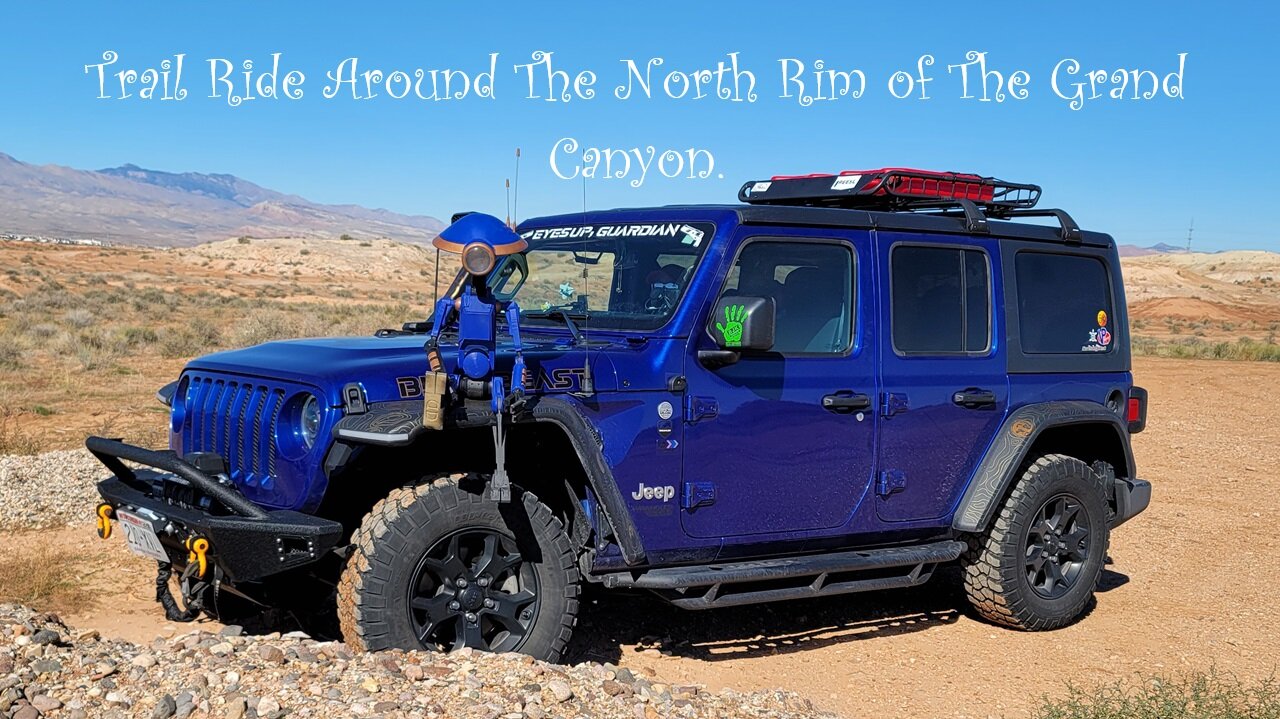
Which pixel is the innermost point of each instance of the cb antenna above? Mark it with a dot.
(515, 201)
(588, 385)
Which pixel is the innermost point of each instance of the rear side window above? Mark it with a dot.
(941, 300)
(1064, 304)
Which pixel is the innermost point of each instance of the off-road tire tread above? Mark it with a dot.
(362, 597)
(997, 594)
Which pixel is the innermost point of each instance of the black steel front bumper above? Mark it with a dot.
(1132, 496)
(182, 503)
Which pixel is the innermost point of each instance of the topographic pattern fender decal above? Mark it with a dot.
(1017, 434)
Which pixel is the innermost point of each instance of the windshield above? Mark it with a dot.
(620, 276)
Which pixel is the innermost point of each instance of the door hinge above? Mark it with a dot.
(891, 480)
(696, 408)
(699, 494)
(892, 403)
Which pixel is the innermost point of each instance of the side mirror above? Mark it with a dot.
(743, 323)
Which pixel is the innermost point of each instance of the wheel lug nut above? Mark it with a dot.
(488, 603)
(483, 581)
(471, 617)
(461, 582)
(455, 606)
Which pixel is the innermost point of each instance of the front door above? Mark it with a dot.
(945, 390)
(784, 441)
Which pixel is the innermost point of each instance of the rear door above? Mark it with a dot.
(945, 389)
(772, 443)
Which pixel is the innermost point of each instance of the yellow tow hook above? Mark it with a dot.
(105, 512)
(196, 548)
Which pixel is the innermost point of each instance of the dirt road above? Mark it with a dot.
(1191, 588)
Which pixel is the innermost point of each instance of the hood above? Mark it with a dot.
(391, 367)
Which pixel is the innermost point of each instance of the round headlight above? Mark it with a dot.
(478, 258)
(310, 420)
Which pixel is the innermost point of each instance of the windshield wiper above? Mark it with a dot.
(559, 315)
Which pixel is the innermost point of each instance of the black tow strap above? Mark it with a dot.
(165, 597)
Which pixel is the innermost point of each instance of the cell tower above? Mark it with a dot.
(1191, 228)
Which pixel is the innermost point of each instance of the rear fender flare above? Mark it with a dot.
(998, 468)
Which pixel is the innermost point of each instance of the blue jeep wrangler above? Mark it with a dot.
(838, 385)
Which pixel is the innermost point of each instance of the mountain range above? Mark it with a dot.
(133, 205)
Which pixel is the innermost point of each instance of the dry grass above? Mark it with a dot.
(1210, 695)
(46, 578)
(90, 334)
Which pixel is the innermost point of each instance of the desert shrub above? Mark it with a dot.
(1195, 348)
(242, 240)
(1209, 695)
(12, 439)
(79, 318)
(194, 338)
(264, 326)
(139, 336)
(10, 355)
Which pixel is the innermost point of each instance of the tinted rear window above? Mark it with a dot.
(1064, 304)
(941, 300)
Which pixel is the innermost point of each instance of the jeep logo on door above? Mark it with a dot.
(663, 493)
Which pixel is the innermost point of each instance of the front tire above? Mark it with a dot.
(440, 566)
(1037, 566)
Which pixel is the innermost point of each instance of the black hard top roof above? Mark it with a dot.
(956, 223)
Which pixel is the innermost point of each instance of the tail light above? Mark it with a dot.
(1136, 411)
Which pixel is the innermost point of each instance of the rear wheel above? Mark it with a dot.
(440, 566)
(1038, 564)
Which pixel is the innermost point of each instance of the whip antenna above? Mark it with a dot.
(515, 200)
(588, 385)
(509, 222)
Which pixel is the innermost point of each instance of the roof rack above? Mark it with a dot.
(898, 189)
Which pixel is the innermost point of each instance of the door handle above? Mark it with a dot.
(846, 401)
(974, 398)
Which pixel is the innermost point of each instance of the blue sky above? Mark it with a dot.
(1138, 169)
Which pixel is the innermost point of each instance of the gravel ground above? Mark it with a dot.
(48, 490)
(48, 669)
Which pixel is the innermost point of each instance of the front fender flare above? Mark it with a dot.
(399, 423)
(998, 468)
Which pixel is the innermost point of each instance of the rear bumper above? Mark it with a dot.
(245, 541)
(1132, 496)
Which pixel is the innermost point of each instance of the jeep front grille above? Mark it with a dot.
(237, 420)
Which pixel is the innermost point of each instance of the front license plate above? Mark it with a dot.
(141, 536)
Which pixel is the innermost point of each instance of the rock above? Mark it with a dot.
(88, 635)
(146, 661)
(271, 653)
(221, 649)
(26, 711)
(165, 708)
(232, 630)
(45, 703)
(235, 708)
(414, 673)
(267, 705)
(115, 698)
(560, 690)
(46, 666)
(625, 676)
(613, 688)
(384, 707)
(46, 636)
(370, 685)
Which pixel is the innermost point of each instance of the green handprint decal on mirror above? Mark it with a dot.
(731, 330)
